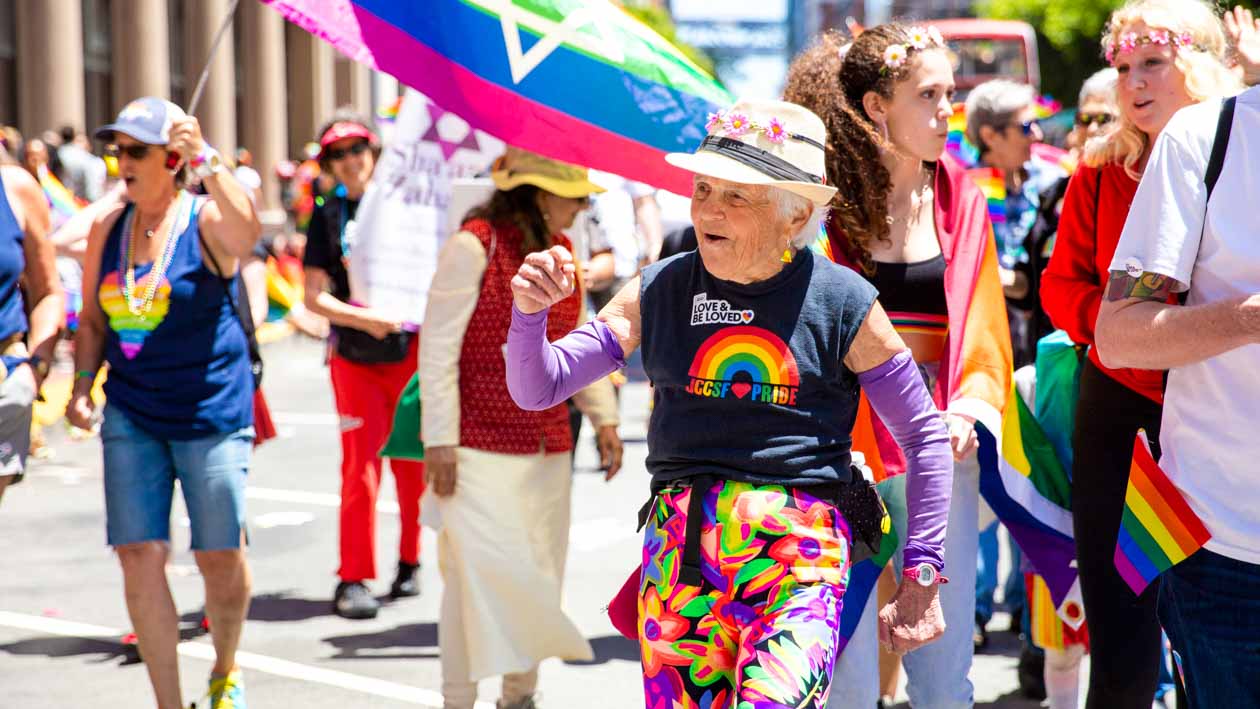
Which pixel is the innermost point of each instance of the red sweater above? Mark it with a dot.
(1073, 283)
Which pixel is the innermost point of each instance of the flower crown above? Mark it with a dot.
(1130, 41)
(920, 38)
(733, 124)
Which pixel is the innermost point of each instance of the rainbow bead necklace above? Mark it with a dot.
(127, 263)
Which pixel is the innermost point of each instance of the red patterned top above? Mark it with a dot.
(489, 419)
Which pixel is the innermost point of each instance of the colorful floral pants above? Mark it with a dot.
(760, 629)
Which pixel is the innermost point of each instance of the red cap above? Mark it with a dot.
(345, 129)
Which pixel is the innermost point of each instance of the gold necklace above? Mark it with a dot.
(158, 270)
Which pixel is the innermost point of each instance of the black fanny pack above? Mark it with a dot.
(359, 346)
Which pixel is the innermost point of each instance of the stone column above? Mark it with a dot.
(311, 85)
(50, 57)
(264, 128)
(141, 44)
(217, 109)
(354, 87)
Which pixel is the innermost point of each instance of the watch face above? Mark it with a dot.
(926, 575)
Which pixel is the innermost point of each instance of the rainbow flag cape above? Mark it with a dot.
(1158, 530)
(992, 185)
(1020, 475)
(575, 80)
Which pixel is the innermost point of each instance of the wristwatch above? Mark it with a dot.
(207, 163)
(39, 365)
(925, 575)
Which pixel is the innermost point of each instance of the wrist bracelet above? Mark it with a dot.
(83, 373)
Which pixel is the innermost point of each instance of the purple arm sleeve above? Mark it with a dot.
(541, 374)
(898, 395)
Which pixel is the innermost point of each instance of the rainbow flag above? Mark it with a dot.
(389, 113)
(1046, 106)
(992, 185)
(822, 244)
(1158, 530)
(575, 80)
(61, 201)
(956, 143)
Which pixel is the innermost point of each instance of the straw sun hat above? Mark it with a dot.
(764, 143)
(518, 167)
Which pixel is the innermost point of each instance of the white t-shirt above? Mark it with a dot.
(1210, 436)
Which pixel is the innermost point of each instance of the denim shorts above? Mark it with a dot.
(140, 475)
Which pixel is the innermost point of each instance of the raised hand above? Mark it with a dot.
(186, 138)
(546, 278)
(1244, 34)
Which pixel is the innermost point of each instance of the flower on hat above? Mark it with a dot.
(715, 122)
(895, 56)
(737, 124)
(919, 38)
(775, 132)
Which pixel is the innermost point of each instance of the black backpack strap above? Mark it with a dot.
(1220, 144)
(241, 306)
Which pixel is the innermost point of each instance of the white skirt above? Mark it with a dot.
(502, 541)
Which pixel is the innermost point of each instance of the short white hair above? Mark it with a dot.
(790, 205)
(994, 103)
(1101, 85)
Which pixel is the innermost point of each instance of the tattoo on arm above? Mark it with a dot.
(1148, 286)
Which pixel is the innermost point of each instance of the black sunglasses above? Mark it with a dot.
(135, 151)
(1027, 126)
(335, 154)
(1085, 120)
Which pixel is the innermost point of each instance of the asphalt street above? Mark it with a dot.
(62, 614)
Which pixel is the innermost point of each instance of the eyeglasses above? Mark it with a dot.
(335, 154)
(135, 151)
(1027, 126)
(1085, 120)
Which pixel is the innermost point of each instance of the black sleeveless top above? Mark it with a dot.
(750, 383)
(917, 287)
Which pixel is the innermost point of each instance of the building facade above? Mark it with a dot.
(77, 62)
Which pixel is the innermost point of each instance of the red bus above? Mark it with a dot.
(991, 49)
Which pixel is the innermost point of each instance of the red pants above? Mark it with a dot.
(366, 395)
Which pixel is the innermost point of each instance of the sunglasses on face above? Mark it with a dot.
(1086, 120)
(335, 154)
(1026, 128)
(135, 151)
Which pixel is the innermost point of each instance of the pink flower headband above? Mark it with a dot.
(732, 125)
(1130, 41)
(920, 38)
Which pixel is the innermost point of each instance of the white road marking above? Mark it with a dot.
(201, 650)
(595, 534)
(303, 497)
(282, 519)
(304, 418)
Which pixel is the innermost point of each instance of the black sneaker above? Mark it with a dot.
(1031, 672)
(354, 601)
(405, 583)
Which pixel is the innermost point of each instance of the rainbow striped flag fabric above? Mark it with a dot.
(61, 201)
(993, 185)
(1158, 530)
(956, 143)
(575, 80)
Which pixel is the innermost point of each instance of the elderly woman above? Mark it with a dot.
(1002, 123)
(1156, 80)
(500, 475)
(158, 307)
(758, 351)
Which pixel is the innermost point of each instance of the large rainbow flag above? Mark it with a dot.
(576, 80)
(1158, 530)
(992, 185)
(62, 203)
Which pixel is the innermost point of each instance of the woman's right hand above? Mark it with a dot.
(79, 411)
(439, 469)
(546, 278)
(379, 326)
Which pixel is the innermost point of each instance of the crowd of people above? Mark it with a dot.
(827, 347)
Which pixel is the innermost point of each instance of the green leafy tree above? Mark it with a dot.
(1068, 34)
(659, 20)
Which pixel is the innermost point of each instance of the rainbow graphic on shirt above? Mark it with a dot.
(133, 329)
(1158, 530)
(745, 362)
(993, 185)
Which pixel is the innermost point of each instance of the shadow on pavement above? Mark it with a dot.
(284, 607)
(412, 635)
(1012, 700)
(610, 647)
(52, 647)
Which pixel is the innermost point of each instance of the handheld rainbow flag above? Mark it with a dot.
(389, 113)
(575, 80)
(993, 185)
(1158, 530)
(1046, 106)
(61, 201)
(956, 143)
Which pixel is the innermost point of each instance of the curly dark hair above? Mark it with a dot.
(833, 87)
(518, 207)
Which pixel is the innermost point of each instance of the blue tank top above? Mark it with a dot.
(12, 264)
(179, 370)
(750, 383)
